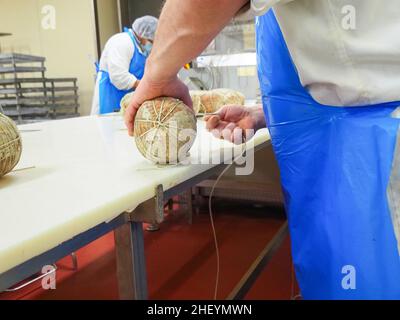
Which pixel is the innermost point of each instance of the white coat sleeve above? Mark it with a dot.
(119, 59)
(260, 7)
(257, 8)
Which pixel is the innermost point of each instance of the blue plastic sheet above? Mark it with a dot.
(335, 165)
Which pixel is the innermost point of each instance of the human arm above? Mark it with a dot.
(233, 122)
(119, 56)
(185, 29)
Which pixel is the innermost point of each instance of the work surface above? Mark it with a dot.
(75, 174)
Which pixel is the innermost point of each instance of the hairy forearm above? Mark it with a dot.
(184, 31)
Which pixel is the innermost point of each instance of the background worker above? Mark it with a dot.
(122, 64)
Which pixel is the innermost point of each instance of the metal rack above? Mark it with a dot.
(63, 95)
(26, 95)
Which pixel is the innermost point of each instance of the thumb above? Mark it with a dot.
(130, 115)
(212, 122)
(221, 113)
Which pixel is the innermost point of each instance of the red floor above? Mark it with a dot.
(181, 261)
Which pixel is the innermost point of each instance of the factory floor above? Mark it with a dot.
(181, 260)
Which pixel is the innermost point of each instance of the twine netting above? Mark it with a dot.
(205, 102)
(10, 145)
(165, 130)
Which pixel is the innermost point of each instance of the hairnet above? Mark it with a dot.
(145, 27)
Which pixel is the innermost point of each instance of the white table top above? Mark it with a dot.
(75, 174)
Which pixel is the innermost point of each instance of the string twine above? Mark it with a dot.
(159, 123)
(217, 254)
(10, 145)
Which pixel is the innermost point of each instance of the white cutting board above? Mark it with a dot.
(77, 173)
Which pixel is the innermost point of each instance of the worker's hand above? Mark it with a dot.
(149, 89)
(235, 123)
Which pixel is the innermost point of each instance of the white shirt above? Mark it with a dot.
(347, 52)
(116, 59)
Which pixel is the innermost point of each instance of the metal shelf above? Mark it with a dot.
(23, 100)
(19, 58)
(12, 81)
(14, 91)
(21, 69)
(26, 94)
(27, 111)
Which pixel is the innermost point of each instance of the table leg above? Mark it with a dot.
(247, 281)
(131, 264)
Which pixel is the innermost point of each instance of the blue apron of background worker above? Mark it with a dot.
(122, 64)
(340, 179)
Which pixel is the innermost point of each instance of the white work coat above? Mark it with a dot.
(115, 60)
(347, 52)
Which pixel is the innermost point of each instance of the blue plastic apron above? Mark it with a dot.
(110, 96)
(335, 164)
